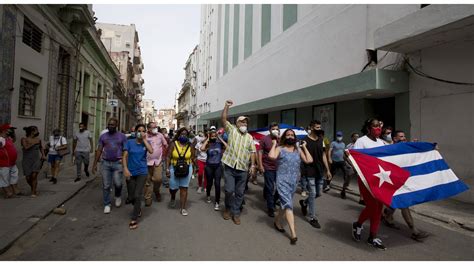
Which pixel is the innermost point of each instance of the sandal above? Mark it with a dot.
(133, 225)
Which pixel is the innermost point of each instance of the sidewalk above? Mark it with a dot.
(20, 214)
(449, 211)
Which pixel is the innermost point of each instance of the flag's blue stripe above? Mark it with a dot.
(430, 194)
(399, 148)
(427, 168)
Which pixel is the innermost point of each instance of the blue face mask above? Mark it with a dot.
(183, 139)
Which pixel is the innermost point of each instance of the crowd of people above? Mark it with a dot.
(149, 158)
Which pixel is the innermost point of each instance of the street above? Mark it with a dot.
(85, 233)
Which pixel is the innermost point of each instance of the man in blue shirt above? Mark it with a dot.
(336, 159)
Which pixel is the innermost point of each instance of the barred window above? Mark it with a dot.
(28, 91)
(32, 35)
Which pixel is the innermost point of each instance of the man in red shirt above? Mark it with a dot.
(8, 169)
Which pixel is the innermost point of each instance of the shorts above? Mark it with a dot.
(180, 182)
(8, 176)
(54, 157)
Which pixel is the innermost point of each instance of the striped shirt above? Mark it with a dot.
(240, 146)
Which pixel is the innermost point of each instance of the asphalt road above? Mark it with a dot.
(86, 233)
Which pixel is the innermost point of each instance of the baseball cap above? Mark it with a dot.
(339, 133)
(212, 128)
(6, 127)
(240, 118)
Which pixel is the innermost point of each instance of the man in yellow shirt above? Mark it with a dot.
(239, 152)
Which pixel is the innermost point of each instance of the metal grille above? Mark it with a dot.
(27, 97)
(32, 35)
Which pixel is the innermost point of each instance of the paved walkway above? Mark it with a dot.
(20, 214)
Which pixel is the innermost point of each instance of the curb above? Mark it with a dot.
(469, 226)
(24, 226)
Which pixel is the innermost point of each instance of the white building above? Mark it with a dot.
(165, 118)
(149, 112)
(342, 64)
(186, 115)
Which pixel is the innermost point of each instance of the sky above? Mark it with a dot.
(167, 34)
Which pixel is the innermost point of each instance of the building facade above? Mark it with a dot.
(165, 118)
(341, 64)
(149, 112)
(55, 71)
(186, 115)
(122, 43)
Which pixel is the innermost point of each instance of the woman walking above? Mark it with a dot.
(180, 168)
(33, 157)
(373, 208)
(135, 170)
(214, 147)
(56, 142)
(289, 158)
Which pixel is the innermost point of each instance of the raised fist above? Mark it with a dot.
(229, 102)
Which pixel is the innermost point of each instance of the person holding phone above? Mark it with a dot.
(135, 169)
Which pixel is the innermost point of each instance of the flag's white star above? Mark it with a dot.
(384, 176)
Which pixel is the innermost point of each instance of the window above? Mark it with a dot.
(127, 45)
(32, 35)
(226, 40)
(288, 117)
(248, 30)
(28, 90)
(290, 14)
(266, 23)
(235, 46)
(325, 114)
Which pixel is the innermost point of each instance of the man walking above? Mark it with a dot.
(82, 144)
(111, 146)
(268, 167)
(155, 163)
(313, 172)
(336, 160)
(387, 217)
(236, 158)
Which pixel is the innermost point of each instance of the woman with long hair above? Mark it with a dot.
(289, 157)
(180, 168)
(33, 157)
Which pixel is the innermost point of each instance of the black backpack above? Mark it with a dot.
(181, 168)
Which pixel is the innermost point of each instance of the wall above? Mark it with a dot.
(442, 112)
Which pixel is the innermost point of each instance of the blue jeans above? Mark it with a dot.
(234, 189)
(111, 173)
(311, 187)
(269, 190)
(304, 184)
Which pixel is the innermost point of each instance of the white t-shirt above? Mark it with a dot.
(201, 155)
(54, 143)
(366, 143)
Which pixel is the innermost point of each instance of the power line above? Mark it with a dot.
(420, 73)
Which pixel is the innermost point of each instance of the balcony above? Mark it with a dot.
(137, 56)
(136, 80)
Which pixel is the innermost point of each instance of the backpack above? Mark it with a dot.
(181, 168)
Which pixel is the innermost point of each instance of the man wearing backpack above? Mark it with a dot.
(240, 151)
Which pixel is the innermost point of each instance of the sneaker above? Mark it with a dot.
(304, 194)
(326, 189)
(304, 207)
(107, 209)
(314, 223)
(184, 212)
(77, 179)
(343, 194)
(236, 220)
(216, 206)
(199, 190)
(208, 200)
(226, 214)
(271, 213)
(172, 204)
(118, 202)
(356, 231)
(376, 243)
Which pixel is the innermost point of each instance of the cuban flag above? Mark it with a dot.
(405, 174)
(260, 133)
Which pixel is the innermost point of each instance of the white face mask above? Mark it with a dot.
(243, 129)
(388, 138)
(276, 133)
(154, 131)
(339, 138)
